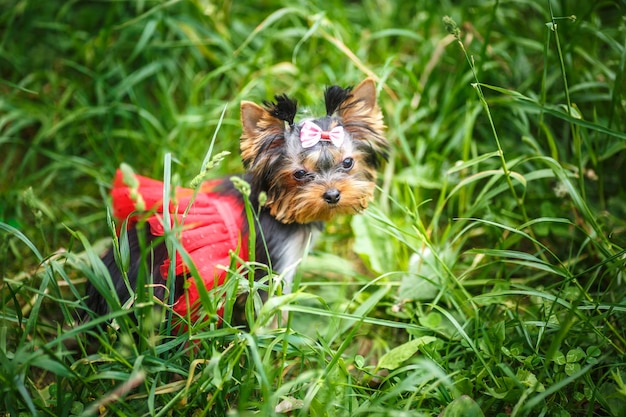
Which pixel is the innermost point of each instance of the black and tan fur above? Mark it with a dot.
(304, 186)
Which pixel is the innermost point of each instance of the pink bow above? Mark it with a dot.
(311, 134)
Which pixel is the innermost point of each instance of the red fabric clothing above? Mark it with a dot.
(212, 227)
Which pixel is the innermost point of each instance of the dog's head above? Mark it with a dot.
(318, 167)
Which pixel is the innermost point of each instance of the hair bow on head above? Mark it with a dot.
(311, 134)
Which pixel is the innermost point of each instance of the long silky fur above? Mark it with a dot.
(284, 108)
(334, 96)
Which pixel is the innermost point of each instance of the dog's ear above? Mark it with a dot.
(362, 99)
(362, 117)
(261, 131)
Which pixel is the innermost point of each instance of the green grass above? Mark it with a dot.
(487, 278)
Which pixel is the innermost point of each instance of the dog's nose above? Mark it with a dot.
(332, 195)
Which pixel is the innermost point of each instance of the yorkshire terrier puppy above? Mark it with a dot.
(308, 172)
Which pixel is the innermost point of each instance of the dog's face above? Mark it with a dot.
(316, 168)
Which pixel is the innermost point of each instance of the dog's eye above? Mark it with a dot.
(300, 175)
(347, 163)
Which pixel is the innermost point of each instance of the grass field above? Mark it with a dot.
(487, 279)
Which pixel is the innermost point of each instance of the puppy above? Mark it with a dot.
(300, 174)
